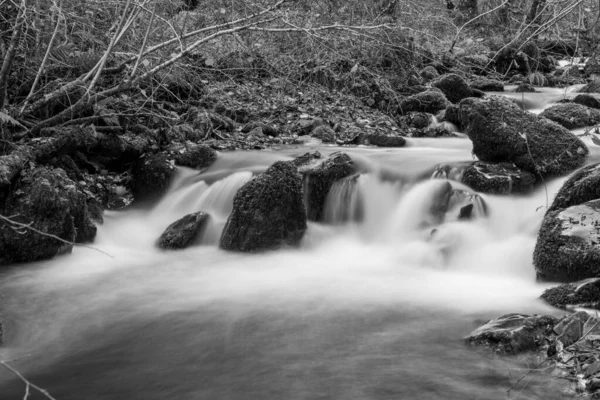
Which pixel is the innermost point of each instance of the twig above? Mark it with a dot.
(59, 18)
(15, 225)
(27, 382)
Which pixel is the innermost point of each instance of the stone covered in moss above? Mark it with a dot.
(268, 212)
(582, 186)
(324, 133)
(572, 115)
(587, 100)
(429, 101)
(568, 245)
(318, 179)
(454, 87)
(592, 87)
(184, 232)
(578, 294)
(488, 85)
(52, 203)
(513, 333)
(152, 176)
(502, 132)
(498, 178)
(196, 156)
(381, 140)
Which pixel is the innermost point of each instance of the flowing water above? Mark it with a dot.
(373, 305)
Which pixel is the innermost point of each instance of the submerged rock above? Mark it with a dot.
(513, 333)
(568, 245)
(497, 178)
(319, 178)
(584, 294)
(454, 87)
(268, 212)
(572, 115)
(184, 232)
(52, 203)
(502, 132)
(430, 101)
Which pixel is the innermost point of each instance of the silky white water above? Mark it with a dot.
(373, 305)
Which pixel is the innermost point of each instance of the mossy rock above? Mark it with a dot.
(184, 232)
(502, 132)
(52, 203)
(488, 85)
(498, 178)
(587, 100)
(430, 101)
(268, 212)
(197, 156)
(513, 333)
(152, 176)
(454, 87)
(572, 115)
(568, 245)
(582, 186)
(584, 294)
(381, 140)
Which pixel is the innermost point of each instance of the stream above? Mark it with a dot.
(368, 307)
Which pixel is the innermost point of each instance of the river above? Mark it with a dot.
(371, 308)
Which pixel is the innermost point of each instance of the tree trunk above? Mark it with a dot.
(534, 17)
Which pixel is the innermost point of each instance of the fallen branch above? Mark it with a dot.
(16, 226)
(27, 382)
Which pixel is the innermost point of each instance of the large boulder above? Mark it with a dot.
(197, 156)
(454, 87)
(584, 293)
(568, 245)
(429, 101)
(320, 177)
(572, 115)
(184, 232)
(50, 203)
(268, 211)
(498, 178)
(502, 132)
(152, 176)
(513, 333)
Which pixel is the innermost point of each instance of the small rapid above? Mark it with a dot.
(372, 305)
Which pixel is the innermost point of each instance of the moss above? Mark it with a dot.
(152, 176)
